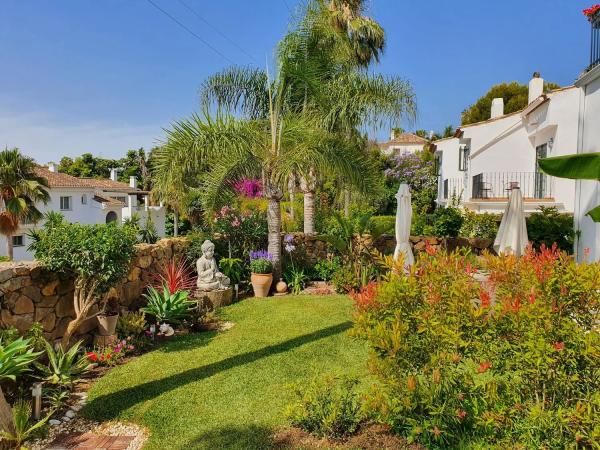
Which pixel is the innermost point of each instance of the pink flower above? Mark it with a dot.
(559, 346)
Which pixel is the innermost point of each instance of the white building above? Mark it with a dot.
(89, 201)
(587, 195)
(402, 143)
(483, 161)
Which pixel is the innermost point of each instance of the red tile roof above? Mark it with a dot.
(403, 139)
(58, 179)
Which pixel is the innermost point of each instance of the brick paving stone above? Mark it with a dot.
(90, 441)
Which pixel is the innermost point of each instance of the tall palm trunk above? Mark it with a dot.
(346, 202)
(274, 235)
(9, 246)
(309, 212)
(175, 223)
(292, 193)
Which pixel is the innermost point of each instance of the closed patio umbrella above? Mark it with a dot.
(512, 234)
(403, 221)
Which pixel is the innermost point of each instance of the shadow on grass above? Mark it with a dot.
(106, 407)
(187, 342)
(251, 437)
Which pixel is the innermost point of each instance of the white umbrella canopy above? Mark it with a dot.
(512, 235)
(403, 221)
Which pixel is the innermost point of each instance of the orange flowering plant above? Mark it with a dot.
(504, 357)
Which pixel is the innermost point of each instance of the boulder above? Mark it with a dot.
(145, 261)
(48, 302)
(134, 274)
(50, 288)
(24, 305)
(64, 307)
(33, 292)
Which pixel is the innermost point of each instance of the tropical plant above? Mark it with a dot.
(64, 367)
(56, 397)
(20, 189)
(325, 268)
(580, 166)
(261, 262)
(131, 324)
(232, 268)
(148, 234)
(21, 430)
(97, 255)
(16, 357)
(295, 278)
(167, 307)
(176, 274)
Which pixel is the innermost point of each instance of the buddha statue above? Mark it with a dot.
(209, 277)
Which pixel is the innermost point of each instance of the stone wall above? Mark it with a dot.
(316, 249)
(29, 293)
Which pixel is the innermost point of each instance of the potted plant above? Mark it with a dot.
(261, 266)
(108, 318)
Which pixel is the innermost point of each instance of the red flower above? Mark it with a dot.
(559, 346)
(365, 298)
(484, 366)
(591, 11)
(92, 356)
(430, 249)
(484, 296)
(461, 414)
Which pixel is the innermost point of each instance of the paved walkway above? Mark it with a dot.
(90, 441)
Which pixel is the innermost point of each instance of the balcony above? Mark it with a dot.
(453, 188)
(496, 186)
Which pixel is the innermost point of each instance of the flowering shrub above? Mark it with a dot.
(250, 188)
(591, 11)
(111, 354)
(261, 261)
(513, 363)
(240, 231)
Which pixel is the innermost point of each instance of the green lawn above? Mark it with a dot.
(229, 389)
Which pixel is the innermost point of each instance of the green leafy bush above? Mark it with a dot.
(549, 226)
(167, 307)
(515, 364)
(344, 280)
(327, 407)
(64, 367)
(233, 268)
(240, 231)
(131, 324)
(479, 225)
(296, 278)
(16, 358)
(326, 268)
(446, 222)
(23, 431)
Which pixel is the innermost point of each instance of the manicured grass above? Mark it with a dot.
(230, 389)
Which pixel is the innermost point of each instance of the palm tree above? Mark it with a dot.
(20, 189)
(347, 97)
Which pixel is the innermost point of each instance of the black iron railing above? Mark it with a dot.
(494, 185)
(595, 43)
(453, 187)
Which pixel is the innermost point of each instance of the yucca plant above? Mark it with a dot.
(64, 367)
(22, 431)
(167, 307)
(15, 358)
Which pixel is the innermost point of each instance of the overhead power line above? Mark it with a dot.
(174, 19)
(218, 31)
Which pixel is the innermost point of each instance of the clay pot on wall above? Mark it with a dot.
(107, 324)
(261, 283)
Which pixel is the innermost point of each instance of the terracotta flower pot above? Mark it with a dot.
(261, 283)
(107, 325)
(281, 287)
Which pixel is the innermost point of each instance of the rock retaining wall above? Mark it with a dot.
(316, 249)
(29, 293)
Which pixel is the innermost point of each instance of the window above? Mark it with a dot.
(84, 199)
(438, 164)
(18, 241)
(111, 217)
(463, 158)
(65, 203)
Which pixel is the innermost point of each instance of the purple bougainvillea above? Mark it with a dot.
(250, 188)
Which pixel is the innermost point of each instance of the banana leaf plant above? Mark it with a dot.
(581, 166)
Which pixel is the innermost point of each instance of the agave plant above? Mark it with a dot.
(167, 307)
(64, 367)
(15, 358)
(21, 430)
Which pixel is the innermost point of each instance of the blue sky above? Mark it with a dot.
(104, 76)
